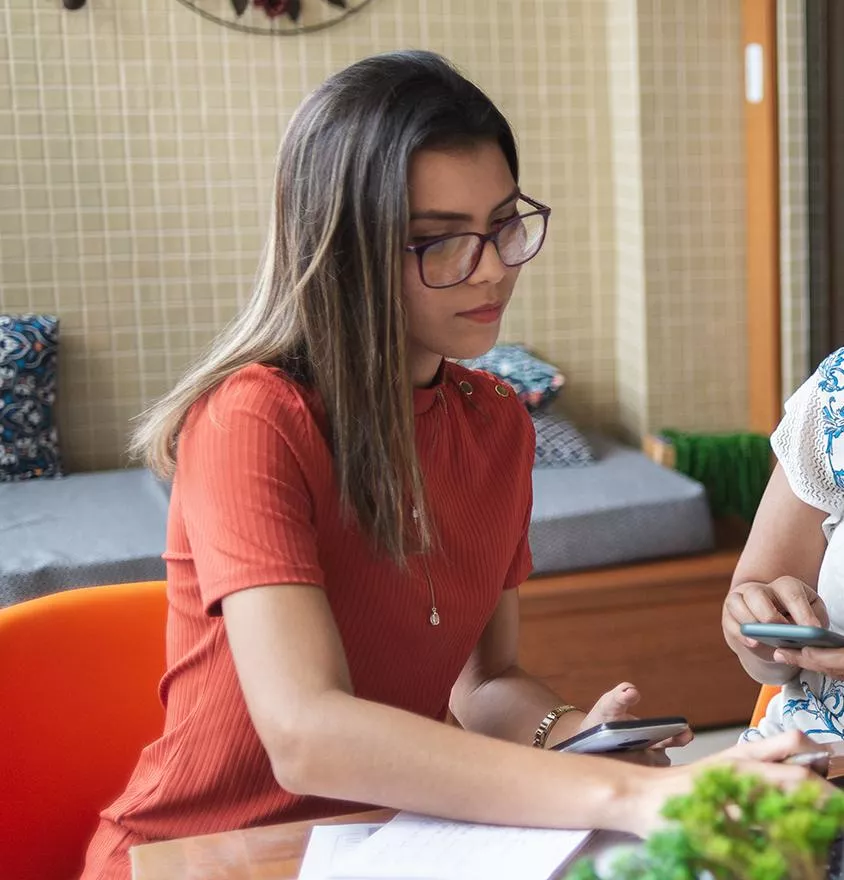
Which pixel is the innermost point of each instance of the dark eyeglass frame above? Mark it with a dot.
(419, 249)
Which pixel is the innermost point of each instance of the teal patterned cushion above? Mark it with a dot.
(28, 442)
(534, 381)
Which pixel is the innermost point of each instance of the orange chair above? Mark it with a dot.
(79, 673)
(766, 693)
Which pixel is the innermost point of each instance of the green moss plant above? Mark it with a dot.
(734, 826)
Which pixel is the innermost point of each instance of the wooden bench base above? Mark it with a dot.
(656, 624)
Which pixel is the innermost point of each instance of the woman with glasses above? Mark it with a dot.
(350, 508)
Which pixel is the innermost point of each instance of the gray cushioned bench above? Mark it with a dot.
(622, 508)
(109, 527)
(80, 530)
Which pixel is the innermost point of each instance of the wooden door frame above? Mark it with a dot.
(818, 173)
(764, 365)
(835, 146)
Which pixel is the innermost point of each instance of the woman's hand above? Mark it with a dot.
(827, 661)
(762, 758)
(776, 578)
(615, 705)
(784, 600)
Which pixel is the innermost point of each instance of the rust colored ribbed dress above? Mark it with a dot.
(255, 502)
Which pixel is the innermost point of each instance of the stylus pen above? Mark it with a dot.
(818, 761)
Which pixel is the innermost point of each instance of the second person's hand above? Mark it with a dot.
(827, 661)
(761, 758)
(784, 600)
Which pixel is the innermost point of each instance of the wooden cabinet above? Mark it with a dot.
(656, 624)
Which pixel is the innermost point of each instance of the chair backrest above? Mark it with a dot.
(766, 693)
(79, 674)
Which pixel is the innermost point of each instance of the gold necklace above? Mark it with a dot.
(434, 617)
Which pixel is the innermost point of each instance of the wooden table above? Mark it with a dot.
(273, 852)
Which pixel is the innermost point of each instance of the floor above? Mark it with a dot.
(706, 743)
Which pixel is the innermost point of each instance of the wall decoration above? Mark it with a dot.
(280, 18)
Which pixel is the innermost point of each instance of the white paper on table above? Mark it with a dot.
(412, 847)
(328, 844)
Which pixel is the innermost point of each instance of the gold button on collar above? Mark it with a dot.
(466, 388)
(502, 390)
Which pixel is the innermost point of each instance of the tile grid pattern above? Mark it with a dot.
(136, 169)
(794, 197)
(691, 77)
(679, 214)
(628, 211)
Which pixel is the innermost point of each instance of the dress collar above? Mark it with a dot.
(424, 398)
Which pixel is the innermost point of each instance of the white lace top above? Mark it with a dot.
(809, 444)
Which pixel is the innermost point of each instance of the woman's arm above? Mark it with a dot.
(496, 697)
(324, 741)
(776, 578)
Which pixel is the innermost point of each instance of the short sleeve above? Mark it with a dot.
(809, 441)
(246, 506)
(522, 564)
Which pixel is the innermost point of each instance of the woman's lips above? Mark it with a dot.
(484, 315)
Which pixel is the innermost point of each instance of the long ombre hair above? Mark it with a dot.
(327, 306)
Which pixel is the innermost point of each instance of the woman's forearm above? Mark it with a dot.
(350, 749)
(758, 668)
(763, 671)
(511, 706)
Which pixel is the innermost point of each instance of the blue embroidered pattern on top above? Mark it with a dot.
(28, 440)
(826, 708)
(813, 702)
(831, 373)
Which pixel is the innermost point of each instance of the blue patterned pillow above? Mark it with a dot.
(559, 443)
(534, 381)
(28, 440)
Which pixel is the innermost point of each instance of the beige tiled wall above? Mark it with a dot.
(794, 197)
(679, 221)
(136, 153)
(629, 232)
(691, 77)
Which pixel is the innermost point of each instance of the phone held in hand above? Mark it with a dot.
(621, 736)
(792, 635)
(817, 761)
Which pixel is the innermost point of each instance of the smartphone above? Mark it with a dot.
(620, 736)
(817, 761)
(790, 635)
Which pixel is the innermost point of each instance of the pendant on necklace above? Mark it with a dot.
(434, 618)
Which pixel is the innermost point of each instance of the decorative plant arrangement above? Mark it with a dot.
(275, 18)
(735, 827)
(270, 17)
(273, 8)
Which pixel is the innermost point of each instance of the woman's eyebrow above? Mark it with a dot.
(511, 198)
(456, 215)
(440, 215)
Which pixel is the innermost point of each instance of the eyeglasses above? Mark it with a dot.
(451, 259)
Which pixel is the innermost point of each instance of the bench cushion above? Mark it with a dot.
(80, 530)
(622, 508)
(109, 527)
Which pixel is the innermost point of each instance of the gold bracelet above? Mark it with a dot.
(548, 722)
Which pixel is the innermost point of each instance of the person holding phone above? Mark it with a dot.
(792, 568)
(349, 516)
